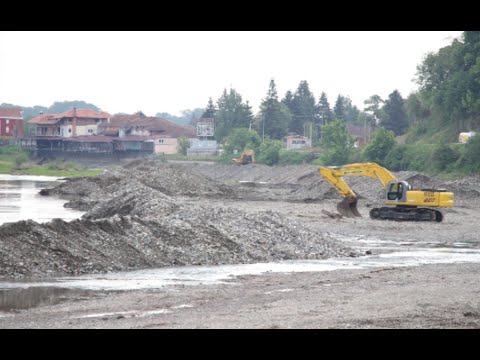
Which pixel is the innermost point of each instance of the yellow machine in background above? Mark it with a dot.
(409, 204)
(247, 157)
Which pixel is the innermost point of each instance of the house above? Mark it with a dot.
(293, 141)
(361, 133)
(163, 134)
(11, 122)
(75, 122)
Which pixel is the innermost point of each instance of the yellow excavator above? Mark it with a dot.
(408, 203)
(247, 157)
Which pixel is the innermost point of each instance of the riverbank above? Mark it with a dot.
(429, 296)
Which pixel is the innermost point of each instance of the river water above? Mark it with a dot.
(20, 200)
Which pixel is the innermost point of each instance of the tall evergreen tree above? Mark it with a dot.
(288, 100)
(395, 119)
(339, 108)
(210, 110)
(323, 109)
(275, 116)
(303, 108)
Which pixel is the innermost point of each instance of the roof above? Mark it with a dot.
(12, 113)
(89, 138)
(203, 120)
(83, 113)
(44, 119)
(151, 123)
(356, 130)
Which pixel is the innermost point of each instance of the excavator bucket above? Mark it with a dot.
(348, 208)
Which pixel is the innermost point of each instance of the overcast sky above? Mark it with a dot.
(172, 71)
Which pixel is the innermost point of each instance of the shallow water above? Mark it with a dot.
(20, 200)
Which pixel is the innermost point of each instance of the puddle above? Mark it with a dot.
(25, 298)
(152, 279)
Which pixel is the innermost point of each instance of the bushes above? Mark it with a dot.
(469, 161)
(382, 143)
(20, 159)
(183, 145)
(444, 157)
(269, 152)
(292, 157)
(11, 150)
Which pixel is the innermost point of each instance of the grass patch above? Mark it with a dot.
(44, 170)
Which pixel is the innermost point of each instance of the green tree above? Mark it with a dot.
(302, 108)
(337, 143)
(269, 152)
(395, 119)
(210, 110)
(274, 115)
(415, 108)
(183, 145)
(240, 139)
(382, 143)
(374, 107)
(339, 111)
(324, 112)
(232, 113)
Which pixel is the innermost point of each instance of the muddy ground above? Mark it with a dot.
(430, 296)
(204, 208)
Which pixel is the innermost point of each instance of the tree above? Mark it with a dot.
(323, 109)
(339, 108)
(183, 145)
(232, 113)
(274, 115)
(351, 111)
(415, 108)
(382, 143)
(337, 143)
(395, 117)
(374, 106)
(288, 100)
(240, 139)
(302, 108)
(210, 110)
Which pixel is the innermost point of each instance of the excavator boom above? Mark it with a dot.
(334, 175)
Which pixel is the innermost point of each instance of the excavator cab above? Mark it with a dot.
(397, 191)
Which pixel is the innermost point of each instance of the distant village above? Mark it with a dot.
(87, 132)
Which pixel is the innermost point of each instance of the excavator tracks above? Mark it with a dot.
(406, 214)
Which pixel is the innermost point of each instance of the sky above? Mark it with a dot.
(173, 71)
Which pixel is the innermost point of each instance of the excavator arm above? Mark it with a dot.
(334, 175)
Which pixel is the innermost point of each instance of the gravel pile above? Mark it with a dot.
(135, 221)
(186, 236)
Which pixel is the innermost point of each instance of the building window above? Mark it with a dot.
(69, 130)
(160, 141)
(90, 131)
(8, 121)
(7, 129)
